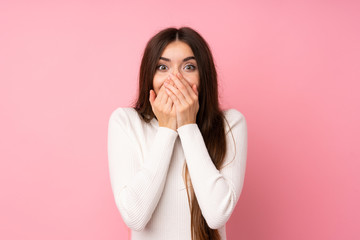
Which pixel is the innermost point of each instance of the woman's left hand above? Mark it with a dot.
(184, 97)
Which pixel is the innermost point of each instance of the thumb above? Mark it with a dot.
(152, 96)
(195, 89)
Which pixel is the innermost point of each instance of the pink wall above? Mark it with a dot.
(291, 67)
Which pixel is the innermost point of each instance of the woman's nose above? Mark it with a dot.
(174, 72)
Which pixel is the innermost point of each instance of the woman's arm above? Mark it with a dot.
(137, 187)
(217, 191)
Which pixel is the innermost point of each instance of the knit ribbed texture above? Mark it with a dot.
(146, 163)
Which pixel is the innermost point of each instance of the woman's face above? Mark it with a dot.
(176, 57)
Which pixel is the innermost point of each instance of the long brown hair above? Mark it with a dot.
(210, 118)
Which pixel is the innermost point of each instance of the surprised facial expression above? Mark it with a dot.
(177, 57)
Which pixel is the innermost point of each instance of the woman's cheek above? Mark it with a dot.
(158, 82)
(191, 78)
(192, 81)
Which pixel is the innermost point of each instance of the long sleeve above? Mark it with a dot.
(137, 187)
(217, 191)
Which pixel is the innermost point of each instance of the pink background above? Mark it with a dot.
(291, 67)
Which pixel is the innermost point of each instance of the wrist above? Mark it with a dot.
(171, 126)
(186, 123)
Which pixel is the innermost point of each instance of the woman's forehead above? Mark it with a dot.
(177, 50)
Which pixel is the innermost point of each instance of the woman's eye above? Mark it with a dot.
(192, 67)
(161, 67)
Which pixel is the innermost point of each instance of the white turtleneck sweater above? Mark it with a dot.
(146, 166)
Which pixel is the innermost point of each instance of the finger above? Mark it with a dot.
(152, 97)
(169, 103)
(191, 91)
(195, 90)
(184, 87)
(169, 81)
(165, 96)
(161, 94)
(174, 98)
(176, 92)
(180, 86)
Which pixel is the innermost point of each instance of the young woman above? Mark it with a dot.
(177, 162)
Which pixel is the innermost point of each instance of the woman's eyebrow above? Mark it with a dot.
(185, 59)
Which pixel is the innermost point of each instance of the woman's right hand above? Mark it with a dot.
(163, 108)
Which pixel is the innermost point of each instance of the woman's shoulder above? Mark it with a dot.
(124, 115)
(233, 117)
(233, 114)
(123, 111)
